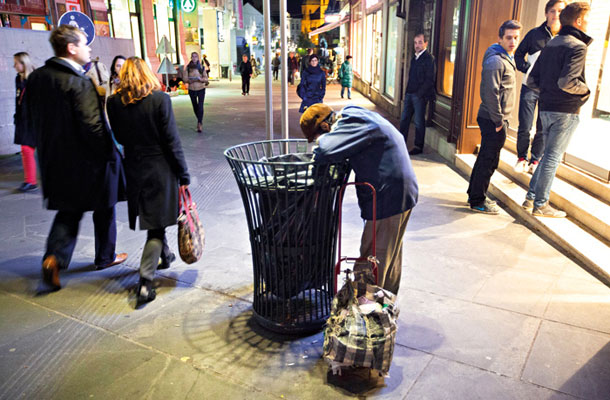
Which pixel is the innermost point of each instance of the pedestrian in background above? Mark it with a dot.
(115, 69)
(305, 61)
(23, 135)
(275, 63)
(245, 69)
(420, 90)
(559, 75)
(293, 66)
(99, 75)
(197, 80)
(377, 153)
(531, 46)
(206, 64)
(143, 121)
(80, 166)
(346, 76)
(254, 67)
(313, 84)
(497, 103)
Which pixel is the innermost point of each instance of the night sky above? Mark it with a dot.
(294, 6)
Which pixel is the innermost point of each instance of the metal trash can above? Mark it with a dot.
(292, 211)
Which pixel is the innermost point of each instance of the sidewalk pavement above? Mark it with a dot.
(488, 309)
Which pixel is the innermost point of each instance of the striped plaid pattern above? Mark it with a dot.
(352, 338)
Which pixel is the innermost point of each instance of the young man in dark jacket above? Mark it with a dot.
(531, 45)
(420, 90)
(378, 155)
(79, 164)
(497, 102)
(559, 75)
(245, 69)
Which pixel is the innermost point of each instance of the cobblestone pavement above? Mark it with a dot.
(488, 309)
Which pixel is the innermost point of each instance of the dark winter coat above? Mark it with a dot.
(422, 75)
(559, 73)
(293, 64)
(378, 155)
(23, 135)
(80, 167)
(154, 160)
(245, 69)
(312, 87)
(497, 85)
(533, 42)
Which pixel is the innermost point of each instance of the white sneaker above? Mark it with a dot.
(521, 166)
(533, 167)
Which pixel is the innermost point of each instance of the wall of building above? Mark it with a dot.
(36, 43)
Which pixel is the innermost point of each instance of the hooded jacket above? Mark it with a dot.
(497, 85)
(377, 153)
(559, 73)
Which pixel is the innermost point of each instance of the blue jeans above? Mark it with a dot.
(557, 129)
(349, 92)
(527, 109)
(417, 106)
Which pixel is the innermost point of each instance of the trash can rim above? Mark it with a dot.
(232, 158)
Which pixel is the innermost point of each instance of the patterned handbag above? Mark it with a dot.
(191, 237)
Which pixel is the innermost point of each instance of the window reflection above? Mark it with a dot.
(448, 45)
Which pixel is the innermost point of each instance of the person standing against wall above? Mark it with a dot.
(497, 103)
(23, 135)
(531, 46)
(420, 90)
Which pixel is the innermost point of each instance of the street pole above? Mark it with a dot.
(284, 72)
(268, 87)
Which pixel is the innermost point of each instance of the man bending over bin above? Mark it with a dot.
(377, 153)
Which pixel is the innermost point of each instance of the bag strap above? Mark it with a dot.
(186, 204)
(21, 96)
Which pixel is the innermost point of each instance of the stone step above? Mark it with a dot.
(590, 212)
(586, 248)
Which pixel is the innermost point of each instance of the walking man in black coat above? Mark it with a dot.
(420, 90)
(79, 164)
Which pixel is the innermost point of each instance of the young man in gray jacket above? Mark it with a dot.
(497, 102)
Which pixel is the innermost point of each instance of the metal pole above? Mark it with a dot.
(268, 87)
(284, 71)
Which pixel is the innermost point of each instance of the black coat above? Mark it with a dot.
(23, 135)
(245, 69)
(80, 167)
(533, 42)
(312, 88)
(154, 160)
(422, 73)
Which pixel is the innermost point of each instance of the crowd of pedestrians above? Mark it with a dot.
(104, 136)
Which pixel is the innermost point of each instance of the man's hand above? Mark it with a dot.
(499, 128)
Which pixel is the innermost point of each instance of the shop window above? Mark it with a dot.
(357, 42)
(450, 19)
(377, 47)
(391, 49)
(119, 19)
(368, 48)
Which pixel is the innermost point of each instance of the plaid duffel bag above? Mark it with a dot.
(361, 329)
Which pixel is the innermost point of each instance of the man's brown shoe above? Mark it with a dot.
(120, 258)
(50, 272)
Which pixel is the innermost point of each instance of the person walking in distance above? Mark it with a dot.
(313, 84)
(420, 90)
(293, 66)
(559, 75)
(197, 80)
(143, 121)
(23, 135)
(377, 153)
(531, 46)
(275, 63)
(79, 164)
(346, 76)
(497, 103)
(245, 69)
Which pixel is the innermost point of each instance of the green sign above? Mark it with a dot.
(188, 5)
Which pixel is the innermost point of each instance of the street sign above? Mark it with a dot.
(166, 67)
(81, 21)
(164, 46)
(188, 5)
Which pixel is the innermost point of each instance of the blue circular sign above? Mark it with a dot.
(81, 21)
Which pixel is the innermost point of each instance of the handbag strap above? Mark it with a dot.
(186, 204)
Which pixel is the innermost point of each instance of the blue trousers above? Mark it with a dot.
(527, 109)
(414, 106)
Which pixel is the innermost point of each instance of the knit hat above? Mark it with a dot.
(312, 118)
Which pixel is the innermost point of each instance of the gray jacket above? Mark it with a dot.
(497, 85)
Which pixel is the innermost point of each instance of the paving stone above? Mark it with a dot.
(571, 360)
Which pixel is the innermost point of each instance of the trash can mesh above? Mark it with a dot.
(291, 207)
